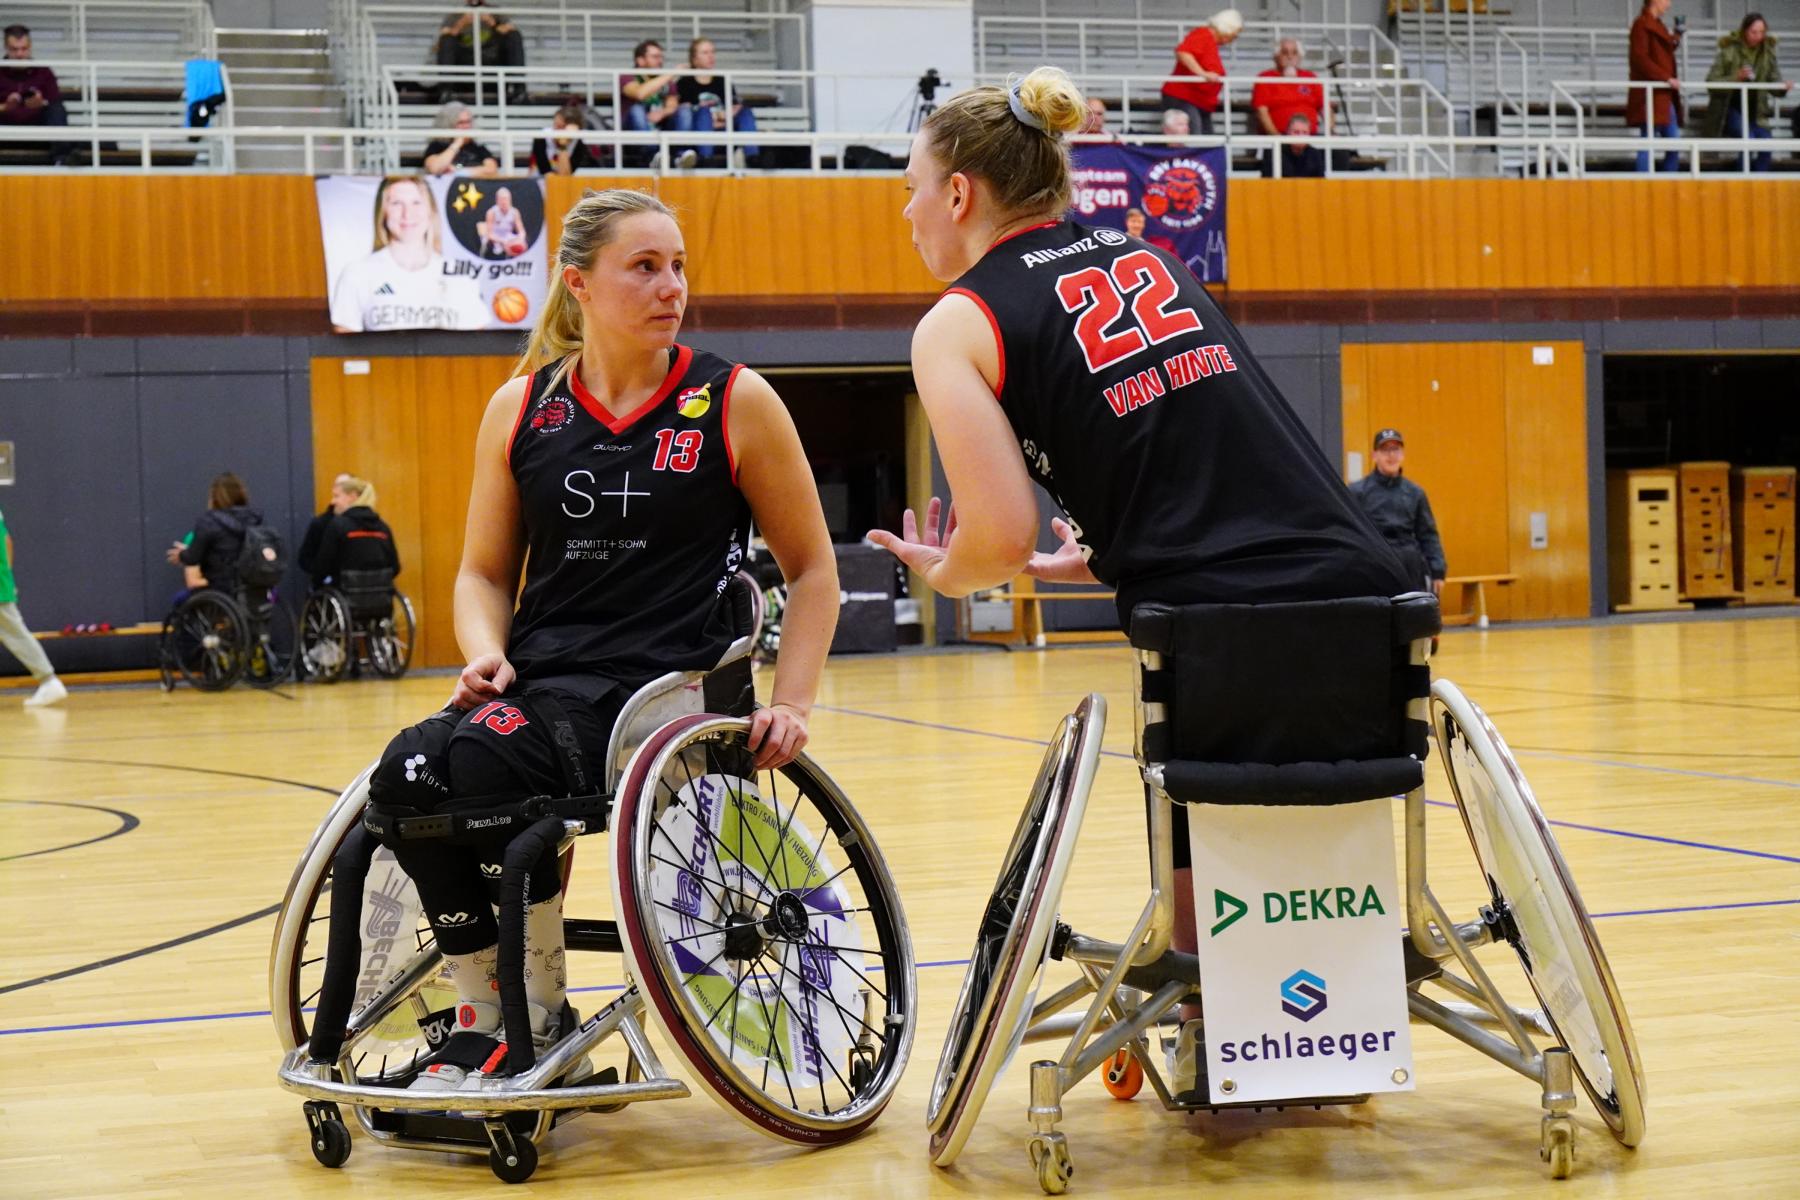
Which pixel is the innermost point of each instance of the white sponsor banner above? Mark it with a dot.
(1300, 962)
(432, 252)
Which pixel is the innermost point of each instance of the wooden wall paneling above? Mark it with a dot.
(1546, 460)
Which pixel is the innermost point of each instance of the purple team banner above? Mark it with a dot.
(1178, 195)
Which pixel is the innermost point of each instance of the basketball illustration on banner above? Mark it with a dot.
(511, 305)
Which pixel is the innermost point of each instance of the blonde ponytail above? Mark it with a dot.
(1012, 137)
(589, 225)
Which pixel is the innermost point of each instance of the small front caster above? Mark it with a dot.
(511, 1157)
(1050, 1158)
(1557, 1146)
(1123, 1075)
(325, 1128)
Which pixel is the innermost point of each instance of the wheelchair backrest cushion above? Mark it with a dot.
(1321, 681)
(369, 593)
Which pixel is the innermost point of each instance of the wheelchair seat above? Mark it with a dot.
(1309, 703)
(370, 594)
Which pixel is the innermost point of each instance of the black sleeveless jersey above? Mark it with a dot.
(1186, 475)
(635, 526)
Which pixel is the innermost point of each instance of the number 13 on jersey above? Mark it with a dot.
(1099, 296)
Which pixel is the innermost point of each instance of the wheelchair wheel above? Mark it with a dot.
(270, 658)
(205, 640)
(1549, 926)
(762, 928)
(395, 933)
(324, 636)
(390, 640)
(1013, 941)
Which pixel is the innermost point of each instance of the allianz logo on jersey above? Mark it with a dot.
(1086, 245)
(1301, 904)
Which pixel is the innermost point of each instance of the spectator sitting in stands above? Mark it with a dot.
(1278, 100)
(1198, 56)
(703, 103)
(29, 94)
(649, 102)
(1095, 123)
(461, 154)
(1654, 111)
(501, 45)
(1175, 125)
(1300, 159)
(1134, 222)
(1747, 56)
(563, 152)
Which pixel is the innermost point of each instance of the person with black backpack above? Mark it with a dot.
(230, 547)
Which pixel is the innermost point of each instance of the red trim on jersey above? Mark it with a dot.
(999, 342)
(725, 420)
(374, 533)
(1028, 229)
(530, 382)
(597, 410)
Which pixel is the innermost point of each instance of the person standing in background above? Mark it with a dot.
(17, 638)
(1655, 111)
(1400, 512)
(1198, 56)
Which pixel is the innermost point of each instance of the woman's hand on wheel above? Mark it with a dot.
(485, 678)
(777, 735)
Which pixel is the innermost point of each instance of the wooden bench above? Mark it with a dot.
(123, 675)
(1471, 595)
(1028, 617)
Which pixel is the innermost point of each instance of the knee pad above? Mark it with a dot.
(414, 770)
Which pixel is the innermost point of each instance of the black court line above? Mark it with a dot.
(221, 927)
(127, 823)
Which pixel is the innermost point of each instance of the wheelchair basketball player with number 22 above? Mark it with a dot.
(757, 918)
(1282, 694)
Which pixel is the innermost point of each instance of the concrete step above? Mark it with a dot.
(324, 116)
(281, 77)
(273, 59)
(272, 39)
(275, 96)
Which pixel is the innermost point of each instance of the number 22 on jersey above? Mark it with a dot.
(1099, 296)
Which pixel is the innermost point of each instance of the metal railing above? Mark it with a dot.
(1096, 45)
(96, 78)
(132, 30)
(1647, 141)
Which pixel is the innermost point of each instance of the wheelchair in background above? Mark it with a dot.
(1284, 721)
(757, 919)
(360, 618)
(213, 638)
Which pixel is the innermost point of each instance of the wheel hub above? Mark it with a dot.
(744, 940)
(787, 918)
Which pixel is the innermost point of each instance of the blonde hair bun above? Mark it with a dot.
(1052, 97)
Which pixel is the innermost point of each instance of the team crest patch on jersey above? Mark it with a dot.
(552, 414)
(693, 402)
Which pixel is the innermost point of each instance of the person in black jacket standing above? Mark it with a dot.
(1399, 510)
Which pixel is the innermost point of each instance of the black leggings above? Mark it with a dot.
(495, 753)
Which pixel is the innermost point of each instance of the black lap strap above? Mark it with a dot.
(1306, 783)
(481, 825)
(573, 762)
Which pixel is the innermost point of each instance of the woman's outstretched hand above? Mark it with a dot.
(1067, 565)
(922, 548)
(484, 679)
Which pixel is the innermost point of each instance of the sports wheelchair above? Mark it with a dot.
(1268, 717)
(214, 638)
(758, 922)
(360, 618)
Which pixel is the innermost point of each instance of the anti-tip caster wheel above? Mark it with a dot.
(329, 1139)
(1123, 1076)
(1050, 1158)
(1558, 1146)
(517, 1165)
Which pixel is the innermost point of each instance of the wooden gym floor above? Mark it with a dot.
(144, 839)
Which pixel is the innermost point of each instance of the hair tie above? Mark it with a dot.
(1018, 110)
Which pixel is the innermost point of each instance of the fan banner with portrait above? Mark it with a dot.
(432, 252)
(1168, 196)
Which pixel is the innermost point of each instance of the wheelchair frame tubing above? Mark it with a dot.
(343, 946)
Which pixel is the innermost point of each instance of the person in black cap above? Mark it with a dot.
(1399, 510)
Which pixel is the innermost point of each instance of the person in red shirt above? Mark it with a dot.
(1197, 58)
(1289, 92)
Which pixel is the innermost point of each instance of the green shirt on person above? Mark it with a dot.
(9, 591)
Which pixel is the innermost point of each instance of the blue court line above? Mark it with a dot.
(924, 966)
(1624, 833)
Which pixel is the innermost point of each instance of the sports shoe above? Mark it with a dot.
(49, 692)
(546, 1031)
(468, 1048)
(689, 160)
(1186, 1065)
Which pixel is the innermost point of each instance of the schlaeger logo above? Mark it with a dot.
(1303, 995)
